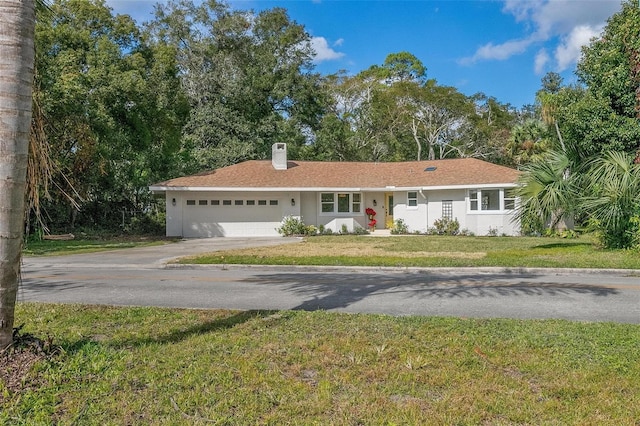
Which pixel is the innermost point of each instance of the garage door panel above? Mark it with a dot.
(218, 221)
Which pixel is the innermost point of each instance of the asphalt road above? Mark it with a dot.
(140, 277)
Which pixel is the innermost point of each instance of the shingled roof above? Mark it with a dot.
(300, 175)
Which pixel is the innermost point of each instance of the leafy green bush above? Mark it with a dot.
(627, 236)
(358, 230)
(292, 225)
(446, 226)
(147, 224)
(399, 227)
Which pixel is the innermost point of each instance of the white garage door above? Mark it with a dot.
(229, 216)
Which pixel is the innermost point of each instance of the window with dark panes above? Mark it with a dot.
(473, 200)
(343, 203)
(412, 199)
(509, 199)
(327, 201)
(355, 206)
(490, 199)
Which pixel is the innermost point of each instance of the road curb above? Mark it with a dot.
(412, 269)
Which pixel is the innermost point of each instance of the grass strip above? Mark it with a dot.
(161, 366)
(431, 251)
(59, 248)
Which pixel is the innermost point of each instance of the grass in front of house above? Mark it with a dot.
(161, 366)
(89, 245)
(431, 251)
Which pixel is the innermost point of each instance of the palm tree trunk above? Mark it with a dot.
(16, 79)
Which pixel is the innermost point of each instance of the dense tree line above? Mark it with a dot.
(591, 171)
(122, 105)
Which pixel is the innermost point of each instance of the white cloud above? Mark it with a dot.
(559, 17)
(573, 22)
(323, 51)
(339, 42)
(542, 58)
(498, 52)
(570, 48)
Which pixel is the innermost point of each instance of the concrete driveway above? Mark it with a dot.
(155, 256)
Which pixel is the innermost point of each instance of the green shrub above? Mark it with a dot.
(446, 226)
(358, 230)
(292, 225)
(147, 224)
(627, 235)
(399, 227)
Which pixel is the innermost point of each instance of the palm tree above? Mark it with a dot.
(528, 142)
(16, 62)
(547, 191)
(613, 198)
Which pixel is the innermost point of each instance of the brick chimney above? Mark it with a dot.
(279, 156)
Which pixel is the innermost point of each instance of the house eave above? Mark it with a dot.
(249, 189)
(162, 188)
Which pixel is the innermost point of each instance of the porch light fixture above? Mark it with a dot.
(293, 201)
(375, 203)
(173, 202)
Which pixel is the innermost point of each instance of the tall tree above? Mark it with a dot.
(248, 78)
(113, 110)
(601, 114)
(16, 80)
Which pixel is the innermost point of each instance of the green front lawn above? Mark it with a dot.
(432, 251)
(183, 367)
(90, 245)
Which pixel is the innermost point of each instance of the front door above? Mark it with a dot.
(388, 210)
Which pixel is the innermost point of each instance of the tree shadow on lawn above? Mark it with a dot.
(175, 336)
(327, 291)
(564, 244)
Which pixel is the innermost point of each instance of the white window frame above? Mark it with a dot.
(513, 199)
(336, 204)
(474, 196)
(410, 199)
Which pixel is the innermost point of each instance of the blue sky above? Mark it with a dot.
(501, 48)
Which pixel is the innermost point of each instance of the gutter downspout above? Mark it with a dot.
(426, 210)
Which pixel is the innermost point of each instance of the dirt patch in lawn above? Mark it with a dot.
(17, 361)
(344, 249)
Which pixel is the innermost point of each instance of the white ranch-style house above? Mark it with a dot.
(252, 198)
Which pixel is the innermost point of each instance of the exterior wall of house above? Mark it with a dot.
(486, 224)
(309, 208)
(457, 199)
(333, 221)
(193, 214)
(431, 207)
(415, 217)
(492, 222)
(375, 201)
